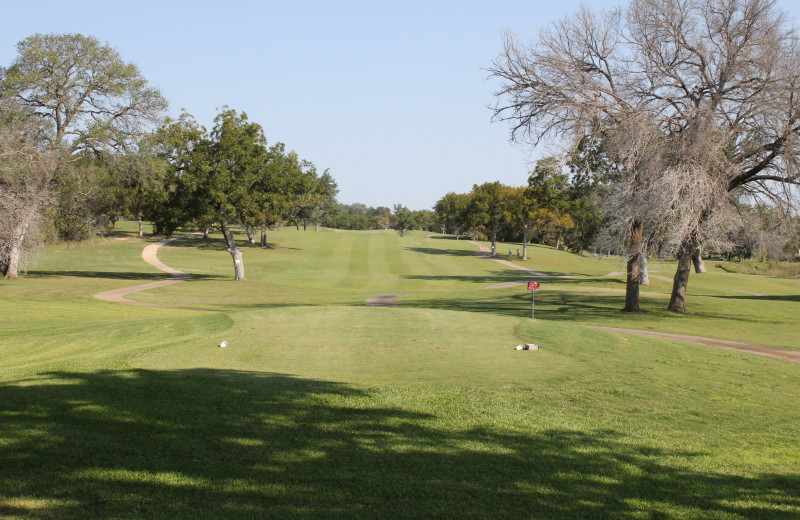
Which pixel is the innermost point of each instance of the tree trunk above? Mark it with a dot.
(263, 236)
(525, 237)
(14, 254)
(141, 231)
(677, 302)
(4, 252)
(205, 233)
(11, 269)
(238, 264)
(632, 285)
(697, 260)
(494, 243)
(316, 227)
(251, 234)
(644, 278)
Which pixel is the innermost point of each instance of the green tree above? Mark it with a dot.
(87, 96)
(452, 212)
(82, 201)
(523, 206)
(324, 204)
(212, 174)
(588, 218)
(424, 219)
(402, 219)
(592, 168)
(490, 209)
(139, 176)
(308, 193)
(84, 89)
(277, 187)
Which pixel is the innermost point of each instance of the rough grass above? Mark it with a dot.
(322, 407)
(767, 268)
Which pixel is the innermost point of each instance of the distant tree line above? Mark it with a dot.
(358, 216)
(554, 208)
(568, 208)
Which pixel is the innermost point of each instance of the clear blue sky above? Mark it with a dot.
(392, 97)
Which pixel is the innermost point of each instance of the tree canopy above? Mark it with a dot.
(696, 102)
(82, 98)
(83, 89)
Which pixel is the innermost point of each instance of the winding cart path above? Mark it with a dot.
(150, 256)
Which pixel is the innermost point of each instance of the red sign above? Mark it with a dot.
(533, 286)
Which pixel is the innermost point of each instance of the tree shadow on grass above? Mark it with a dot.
(483, 279)
(513, 275)
(219, 244)
(439, 251)
(774, 298)
(115, 275)
(230, 444)
(568, 306)
(204, 244)
(561, 307)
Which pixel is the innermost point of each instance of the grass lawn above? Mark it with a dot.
(323, 407)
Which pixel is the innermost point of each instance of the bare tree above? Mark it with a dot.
(27, 166)
(697, 98)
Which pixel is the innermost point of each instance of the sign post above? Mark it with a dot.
(533, 287)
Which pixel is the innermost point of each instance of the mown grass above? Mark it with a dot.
(322, 407)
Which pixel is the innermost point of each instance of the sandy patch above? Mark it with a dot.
(506, 284)
(384, 300)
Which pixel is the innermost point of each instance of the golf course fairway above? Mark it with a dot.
(322, 406)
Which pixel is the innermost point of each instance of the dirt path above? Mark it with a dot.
(751, 348)
(149, 255)
(484, 252)
(748, 292)
(384, 300)
(791, 356)
(657, 276)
